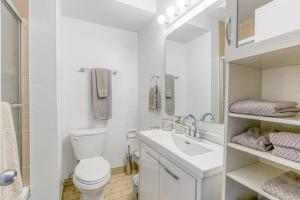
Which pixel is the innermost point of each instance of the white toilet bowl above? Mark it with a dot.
(92, 172)
(90, 177)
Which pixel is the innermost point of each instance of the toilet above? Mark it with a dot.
(92, 172)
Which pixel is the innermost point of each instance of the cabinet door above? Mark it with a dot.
(149, 174)
(175, 184)
(250, 27)
(230, 28)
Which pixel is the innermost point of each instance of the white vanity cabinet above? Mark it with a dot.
(167, 172)
(258, 27)
(149, 174)
(175, 183)
(160, 179)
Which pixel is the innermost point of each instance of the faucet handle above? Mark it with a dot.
(187, 130)
(194, 131)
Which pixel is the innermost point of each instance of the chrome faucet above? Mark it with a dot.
(203, 117)
(192, 118)
(190, 128)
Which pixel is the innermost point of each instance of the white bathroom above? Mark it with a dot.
(150, 100)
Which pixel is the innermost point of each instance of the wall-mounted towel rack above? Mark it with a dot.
(154, 76)
(82, 69)
(157, 77)
(15, 105)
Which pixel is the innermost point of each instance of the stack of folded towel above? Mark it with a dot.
(284, 187)
(254, 138)
(286, 145)
(265, 108)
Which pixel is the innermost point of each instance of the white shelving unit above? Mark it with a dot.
(284, 120)
(257, 77)
(266, 155)
(253, 176)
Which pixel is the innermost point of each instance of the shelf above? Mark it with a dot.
(279, 51)
(246, 41)
(253, 176)
(267, 156)
(282, 120)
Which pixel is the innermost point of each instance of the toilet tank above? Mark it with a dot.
(88, 143)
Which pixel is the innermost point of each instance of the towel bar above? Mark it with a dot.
(82, 69)
(15, 105)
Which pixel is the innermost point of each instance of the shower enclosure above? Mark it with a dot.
(11, 66)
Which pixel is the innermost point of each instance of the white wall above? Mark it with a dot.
(212, 25)
(191, 61)
(199, 70)
(45, 144)
(281, 84)
(176, 64)
(142, 4)
(85, 44)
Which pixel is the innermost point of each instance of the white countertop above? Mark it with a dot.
(202, 165)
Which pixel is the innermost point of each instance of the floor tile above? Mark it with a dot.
(119, 187)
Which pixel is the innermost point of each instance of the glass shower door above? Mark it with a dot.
(11, 67)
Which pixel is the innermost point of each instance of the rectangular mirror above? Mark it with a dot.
(194, 67)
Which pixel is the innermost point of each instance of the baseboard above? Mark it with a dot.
(117, 170)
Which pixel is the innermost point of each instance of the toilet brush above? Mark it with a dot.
(128, 169)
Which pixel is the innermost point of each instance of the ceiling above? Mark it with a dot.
(186, 33)
(131, 15)
(217, 10)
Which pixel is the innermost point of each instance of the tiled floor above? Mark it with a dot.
(118, 188)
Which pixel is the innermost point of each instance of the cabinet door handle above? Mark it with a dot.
(153, 157)
(227, 32)
(170, 173)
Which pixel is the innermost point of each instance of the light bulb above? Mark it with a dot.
(183, 3)
(161, 19)
(171, 11)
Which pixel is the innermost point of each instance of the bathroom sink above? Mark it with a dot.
(188, 146)
(202, 157)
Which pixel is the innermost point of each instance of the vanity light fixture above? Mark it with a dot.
(162, 19)
(183, 3)
(172, 11)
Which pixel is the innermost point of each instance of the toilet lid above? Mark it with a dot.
(92, 170)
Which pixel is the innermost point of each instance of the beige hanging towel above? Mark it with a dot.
(102, 76)
(9, 153)
(154, 99)
(170, 94)
(101, 94)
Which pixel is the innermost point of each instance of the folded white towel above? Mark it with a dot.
(253, 138)
(284, 187)
(265, 108)
(287, 153)
(9, 158)
(286, 139)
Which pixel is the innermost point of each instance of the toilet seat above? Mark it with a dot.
(92, 171)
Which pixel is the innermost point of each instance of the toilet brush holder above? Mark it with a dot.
(128, 168)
